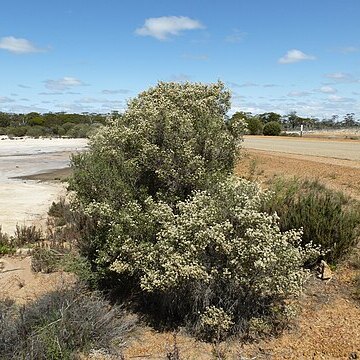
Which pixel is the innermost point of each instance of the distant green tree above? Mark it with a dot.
(270, 116)
(272, 128)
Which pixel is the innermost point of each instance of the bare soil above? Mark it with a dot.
(328, 324)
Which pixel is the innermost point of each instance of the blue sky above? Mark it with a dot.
(87, 55)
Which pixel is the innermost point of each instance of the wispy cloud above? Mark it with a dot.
(116, 91)
(349, 49)
(270, 85)
(236, 36)
(293, 56)
(162, 28)
(201, 57)
(50, 93)
(336, 98)
(299, 93)
(242, 85)
(24, 86)
(342, 77)
(5, 99)
(327, 90)
(64, 83)
(18, 45)
(179, 78)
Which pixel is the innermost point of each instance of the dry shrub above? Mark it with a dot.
(60, 325)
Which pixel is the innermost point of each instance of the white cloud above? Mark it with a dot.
(236, 36)
(51, 93)
(24, 86)
(349, 49)
(5, 99)
(200, 57)
(117, 91)
(244, 84)
(336, 98)
(293, 56)
(341, 77)
(179, 78)
(18, 45)
(298, 93)
(163, 27)
(327, 90)
(65, 83)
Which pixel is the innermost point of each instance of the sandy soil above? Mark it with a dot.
(329, 320)
(19, 283)
(336, 173)
(328, 324)
(336, 149)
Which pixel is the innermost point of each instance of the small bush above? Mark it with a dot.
(254, 125)
(6, 246)
(27, 235)
(36, 131)
(17, 131)
(328, 218)
(46, 260)
(60, 325)
(272, 128)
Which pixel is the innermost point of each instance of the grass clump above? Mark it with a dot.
(6, 246)
(328, 218)
(60, 325)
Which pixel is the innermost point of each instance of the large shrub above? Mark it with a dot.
(272, 128)
(216, 250)
(172, 139)
(170, 225)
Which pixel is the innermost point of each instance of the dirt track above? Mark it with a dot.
(336, 149)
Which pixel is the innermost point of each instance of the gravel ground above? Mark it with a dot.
(338, 149)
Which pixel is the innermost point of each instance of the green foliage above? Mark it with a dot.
(272, 128)
(254, 126)
(27, 235)
(17, 131)
(214, 250)
(270, 116)
(172, 139)
(60, 325)
(50, 124)
(46, 260)
(5, 244)
(328, 218)
(172, 226)
(36, 131)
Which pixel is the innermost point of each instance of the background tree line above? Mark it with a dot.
(82, 125)
(259, 123)
(50, 124)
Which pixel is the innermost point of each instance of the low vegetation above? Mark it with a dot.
(50, 124)
(257, 123)
(158, 221)
(327, 218)
(61, 325)
(272, 128)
